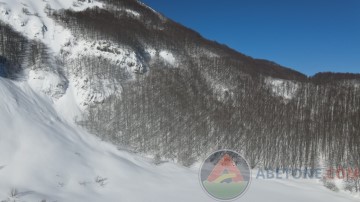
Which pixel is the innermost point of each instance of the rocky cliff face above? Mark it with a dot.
(140, 80)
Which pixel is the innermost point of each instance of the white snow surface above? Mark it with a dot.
(282, 88)
(124, 57)
(152, 52)
(47, 82)
(30, 18)
(132, 12)
(168, 57)
(79, 80)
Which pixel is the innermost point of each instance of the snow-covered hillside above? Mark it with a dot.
(46, 156)
(43, 157)
(31, 19)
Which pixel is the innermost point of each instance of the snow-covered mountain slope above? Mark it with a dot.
(31, 19)
(135, 78)
(43, 157)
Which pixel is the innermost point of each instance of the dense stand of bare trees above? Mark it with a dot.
(17, 52)
(174, 113)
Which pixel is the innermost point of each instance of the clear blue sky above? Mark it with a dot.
(307, 35)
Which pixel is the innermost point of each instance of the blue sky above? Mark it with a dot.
(307, 35)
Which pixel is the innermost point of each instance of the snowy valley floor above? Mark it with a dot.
(44, 157)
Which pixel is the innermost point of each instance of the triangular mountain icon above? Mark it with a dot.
(225, 169)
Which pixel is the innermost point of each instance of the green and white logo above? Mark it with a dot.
(225, 175)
